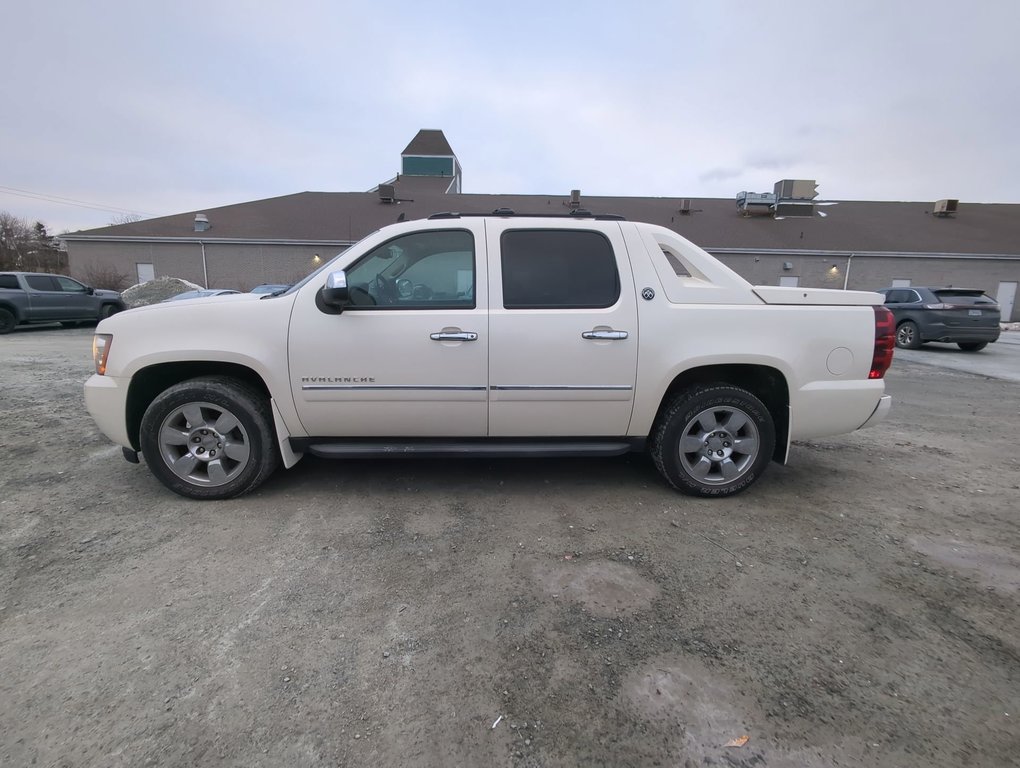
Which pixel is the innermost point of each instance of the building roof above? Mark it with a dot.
(713, 223)
(428, 142)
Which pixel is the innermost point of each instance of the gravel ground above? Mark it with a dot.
(857, 608)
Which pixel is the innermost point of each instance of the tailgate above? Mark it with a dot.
(772, 294)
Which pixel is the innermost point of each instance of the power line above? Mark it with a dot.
(68, 201)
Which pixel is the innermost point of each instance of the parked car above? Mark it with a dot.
(966, 317)
(201, 294)
(495, 336)
(270, 288)
(37, 297)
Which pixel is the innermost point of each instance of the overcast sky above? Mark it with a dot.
(172, 107)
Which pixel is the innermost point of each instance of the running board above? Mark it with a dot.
(446, 449)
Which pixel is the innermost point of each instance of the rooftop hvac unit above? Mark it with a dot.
(945, 208)
(387, 193)
(575, 198)
(796, 189)
(749, 203)
(201, 222)
(803, 208)
(685, 207)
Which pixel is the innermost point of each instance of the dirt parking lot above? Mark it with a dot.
(860, 607)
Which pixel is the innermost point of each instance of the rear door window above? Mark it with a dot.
(9, 281)
(41, 282)
(558, 269)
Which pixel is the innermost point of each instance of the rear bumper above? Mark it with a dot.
(826, 408)
(952, 334)
(881, 410)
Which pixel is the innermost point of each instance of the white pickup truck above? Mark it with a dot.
(494, 335)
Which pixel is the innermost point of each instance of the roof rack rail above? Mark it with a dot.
(578, 213)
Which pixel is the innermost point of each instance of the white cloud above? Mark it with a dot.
(191, 105)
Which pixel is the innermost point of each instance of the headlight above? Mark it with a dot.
(101, 350)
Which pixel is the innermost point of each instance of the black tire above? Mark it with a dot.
(972, 346)
(7, 320)
(714, 419)
(108, 309)
(908, 335)
(184, 457)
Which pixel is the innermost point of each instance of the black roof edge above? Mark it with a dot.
(506, 212)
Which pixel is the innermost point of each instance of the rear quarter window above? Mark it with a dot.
(9, 281)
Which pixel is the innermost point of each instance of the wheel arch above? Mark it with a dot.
(766, 383)
(12, 308)
(148, 382)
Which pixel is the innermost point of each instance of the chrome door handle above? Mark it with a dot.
(454, 336)
(604, 335)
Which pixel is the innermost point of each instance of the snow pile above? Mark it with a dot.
(156, 290)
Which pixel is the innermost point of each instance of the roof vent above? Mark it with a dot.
(685, 207)
(575, 198)
(201, 222)
(944, 208)
(387, 193)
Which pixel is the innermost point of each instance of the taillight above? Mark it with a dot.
(885, 342)
(938, 306)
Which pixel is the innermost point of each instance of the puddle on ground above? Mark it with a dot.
(604, 588)
(991, 566)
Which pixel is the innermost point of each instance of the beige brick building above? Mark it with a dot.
(836, 244)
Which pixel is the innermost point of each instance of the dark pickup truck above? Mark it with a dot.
(32, 297)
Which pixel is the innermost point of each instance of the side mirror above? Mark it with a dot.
(336, 294)
(90, 290)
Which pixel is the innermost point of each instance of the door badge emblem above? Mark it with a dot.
(647, 294)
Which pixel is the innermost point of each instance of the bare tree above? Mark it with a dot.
(27, 247)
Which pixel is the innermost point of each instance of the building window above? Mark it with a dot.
(789, 280)
(428, 166)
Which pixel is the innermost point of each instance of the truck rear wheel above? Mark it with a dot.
(713, 440)
(7, 321)
(209, 438)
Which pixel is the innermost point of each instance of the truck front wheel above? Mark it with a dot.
(713, 440)
(209, 438)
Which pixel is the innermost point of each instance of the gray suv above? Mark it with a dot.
(964, 316)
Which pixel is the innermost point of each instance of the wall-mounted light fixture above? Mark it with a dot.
(315, 258)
